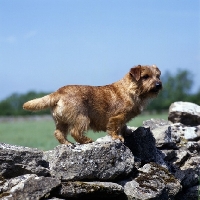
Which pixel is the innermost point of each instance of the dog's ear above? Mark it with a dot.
(136, 72)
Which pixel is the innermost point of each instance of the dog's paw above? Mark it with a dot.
(121, 138)
(118, 137)
(69, 143)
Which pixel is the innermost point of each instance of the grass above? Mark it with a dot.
(39, 133)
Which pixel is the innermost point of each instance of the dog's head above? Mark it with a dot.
(147, 80)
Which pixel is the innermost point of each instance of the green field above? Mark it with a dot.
(39, 133)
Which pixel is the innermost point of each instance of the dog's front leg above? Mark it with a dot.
(114, 126)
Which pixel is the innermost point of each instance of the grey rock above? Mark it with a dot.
(172, 184)
(28, 186)
(181, 157)
(97, 190)
(98, 160)
(130, 129)
(191, 133)
(186, 132)
(193, 147)
(191, 170)
(188, 173)
(189, 194)
(175, 132)
(160, 159)
(153, 182)
(179, 174)
(18, 160)
(184, 112)
(136, 191)
(191, 178)
(168, 154)
(106, 138)
(163, 137)
(142, 144)
(155, 123)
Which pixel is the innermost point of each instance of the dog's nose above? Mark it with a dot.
(158, 85)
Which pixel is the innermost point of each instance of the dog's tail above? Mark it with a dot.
(41, 103)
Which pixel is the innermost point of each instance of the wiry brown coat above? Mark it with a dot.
(77, 108)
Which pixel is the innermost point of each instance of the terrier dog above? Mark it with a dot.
(77, 108)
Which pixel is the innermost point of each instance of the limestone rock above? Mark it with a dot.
(142, 144)
(191, 170)
(155, 123)
(153, 182)
(175, 132)
(181, 157)
(193, 147)
(186, 132)
(191, 133)
(98, 160)
(91, 190)
(163, 137)
(189, 194)
(28, 186)
(136, 191)
(185, 112)
(18, 160)
(168, 154)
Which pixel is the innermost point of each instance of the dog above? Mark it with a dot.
(77, 108)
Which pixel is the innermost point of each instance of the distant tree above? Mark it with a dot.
(179, 86)
(195, 98)
(5, 108)
(13, 104)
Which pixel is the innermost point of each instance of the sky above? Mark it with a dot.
(46, 44)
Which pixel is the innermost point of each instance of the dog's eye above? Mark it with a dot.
(158, 77)
(145, 76)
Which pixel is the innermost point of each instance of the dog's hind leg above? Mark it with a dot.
(79, 136)
(77, 131)
(61, 132)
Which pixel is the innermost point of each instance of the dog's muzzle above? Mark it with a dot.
(158, 86)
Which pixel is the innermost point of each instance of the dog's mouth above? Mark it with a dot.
(155, 90)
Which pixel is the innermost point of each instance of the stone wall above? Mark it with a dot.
(159, 160)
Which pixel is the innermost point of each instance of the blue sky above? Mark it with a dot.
(46, 44)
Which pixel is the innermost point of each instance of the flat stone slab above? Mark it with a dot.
(78, 189)
(18, 160)
(184, 112)
(98, 160)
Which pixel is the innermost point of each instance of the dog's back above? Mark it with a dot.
(97, 103)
